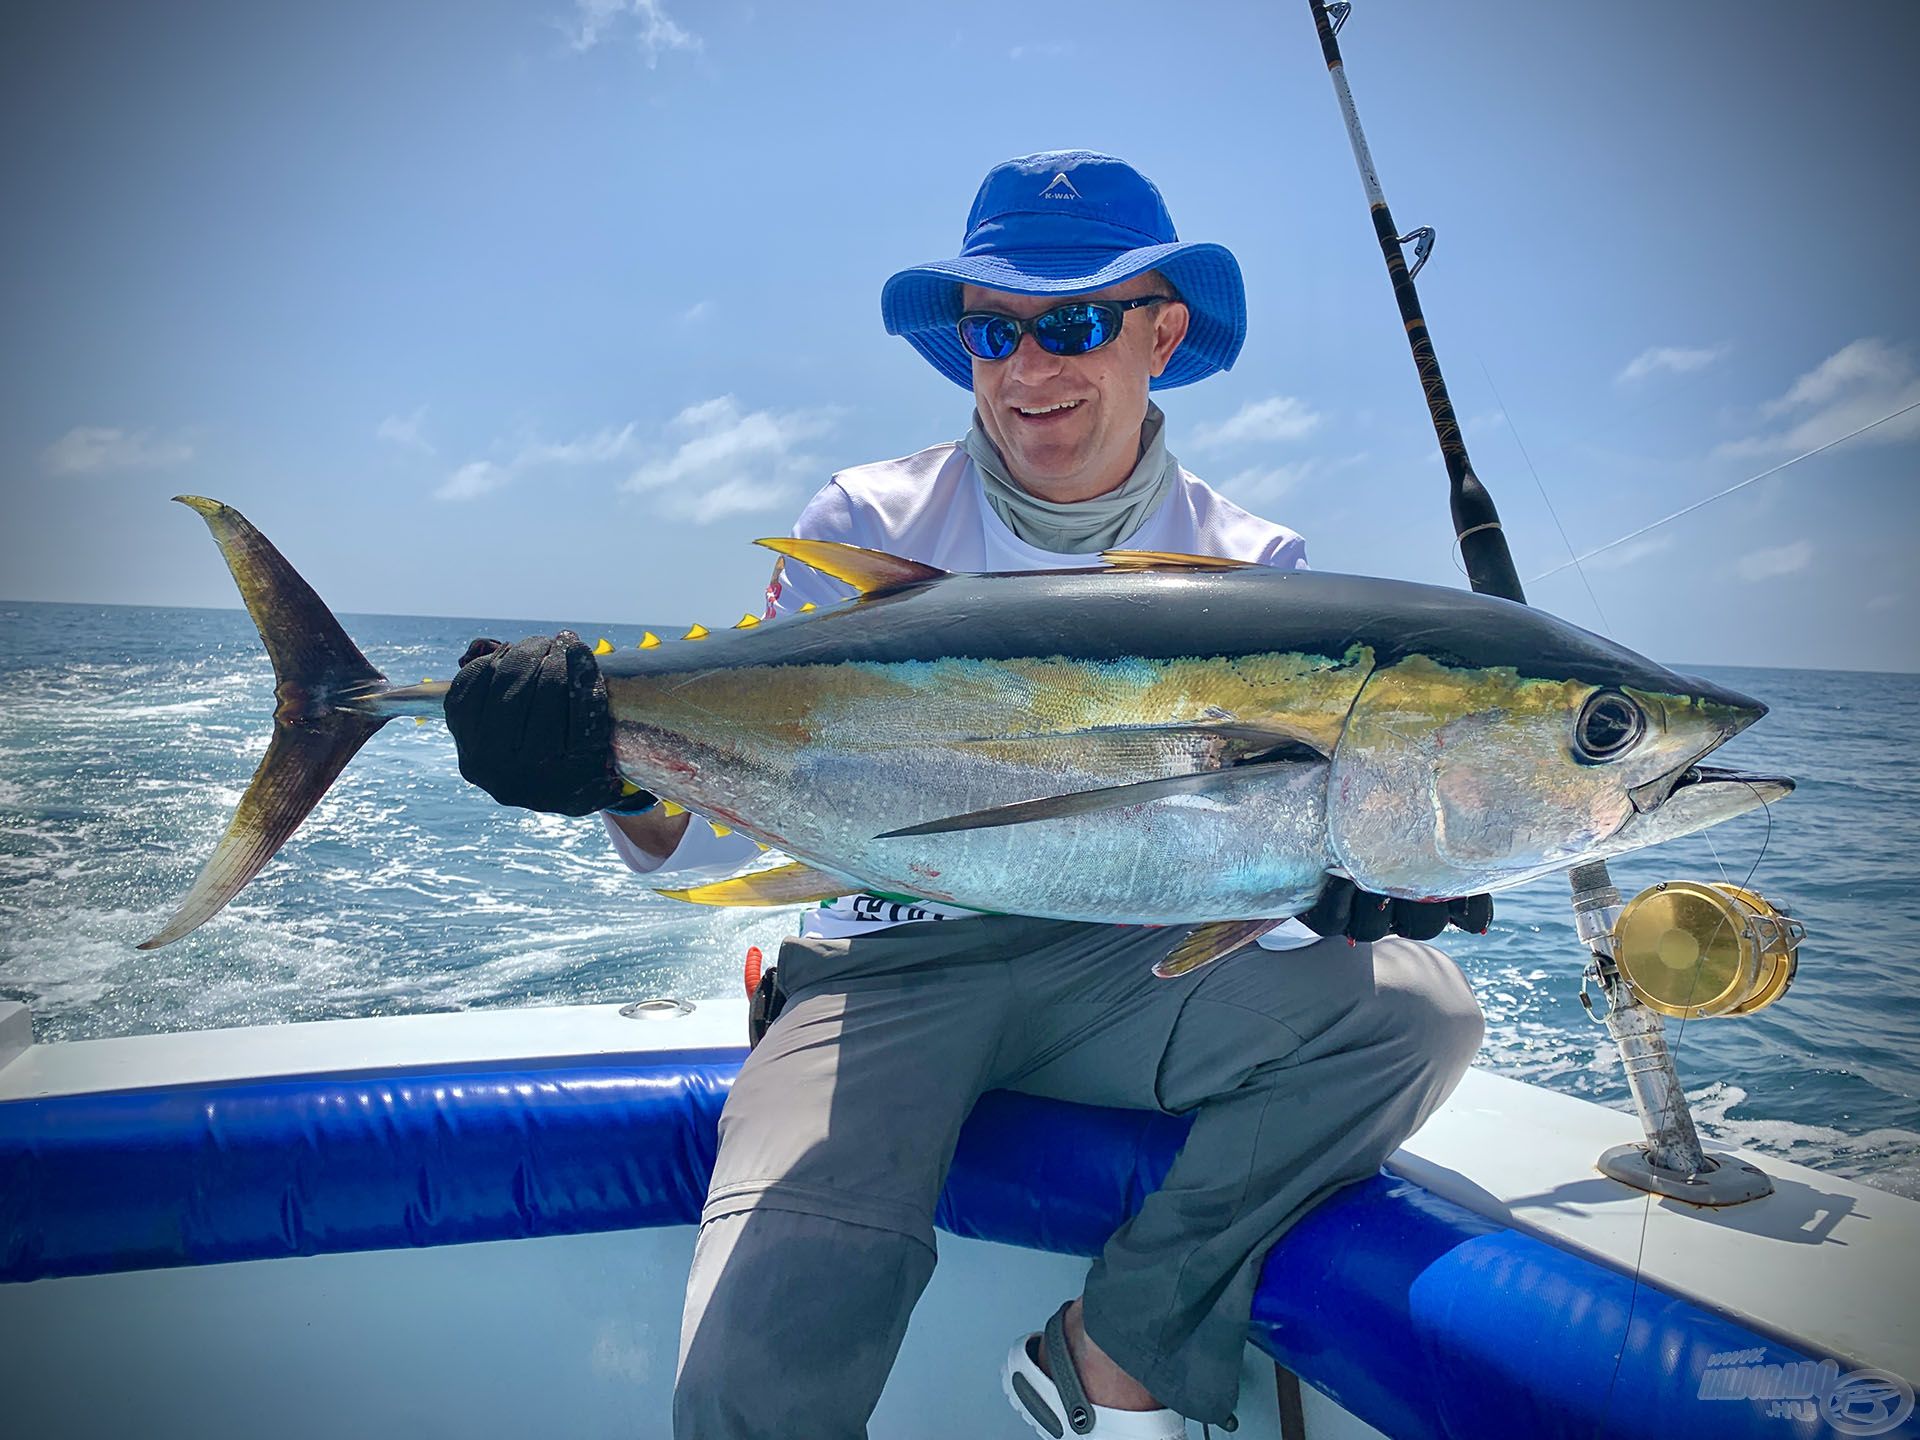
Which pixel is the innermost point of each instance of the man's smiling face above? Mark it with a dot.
(1069, 426)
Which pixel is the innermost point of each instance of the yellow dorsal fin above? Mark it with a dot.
(1169, 560)
(603, 647)
(794, 884)
(747, 622)
(648, 641)
(698, 632)
(808, 606)
(871, 572)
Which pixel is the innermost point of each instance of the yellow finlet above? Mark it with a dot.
(761, 846)
(698, 632)
(648, 641)
(794, 884)
(808, 606)
(426, 679)
(669, 809)
(604, 647)
(719, 829)
(627, 787)
(871, 572)
(747, 622)
(1170, 560)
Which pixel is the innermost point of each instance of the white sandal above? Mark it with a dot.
(1055, 1409)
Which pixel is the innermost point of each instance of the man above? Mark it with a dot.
(1072, 300)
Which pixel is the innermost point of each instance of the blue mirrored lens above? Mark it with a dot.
(1075, 329)
(991, 337)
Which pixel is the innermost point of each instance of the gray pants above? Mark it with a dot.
(1302, 1069)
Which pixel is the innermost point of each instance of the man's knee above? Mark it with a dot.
(1428, 1006)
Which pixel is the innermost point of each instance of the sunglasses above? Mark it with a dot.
(1070, 329)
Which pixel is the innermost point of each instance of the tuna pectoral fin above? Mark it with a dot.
(871, 572)
(328, 705)
(794, 884)
(300, 763)
(1108, 797)
(1210, 943)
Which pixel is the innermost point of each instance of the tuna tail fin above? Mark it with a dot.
(319, 673)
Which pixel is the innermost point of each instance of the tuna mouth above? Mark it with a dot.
(1701, 797)
(1726, 713)
(1767, 788)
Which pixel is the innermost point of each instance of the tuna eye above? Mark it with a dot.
(1609, 724)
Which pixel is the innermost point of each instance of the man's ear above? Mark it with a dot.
(1169, 329)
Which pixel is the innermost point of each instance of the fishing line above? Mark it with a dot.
(1741, 485)
(1606, 625)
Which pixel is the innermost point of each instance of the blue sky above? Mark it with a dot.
(545, 308)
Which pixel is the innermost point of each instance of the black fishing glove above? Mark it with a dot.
(1345, 909)
(533, 728)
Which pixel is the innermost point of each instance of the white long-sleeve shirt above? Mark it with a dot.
(931, 507)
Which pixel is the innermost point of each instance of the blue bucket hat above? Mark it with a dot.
(1065, 222)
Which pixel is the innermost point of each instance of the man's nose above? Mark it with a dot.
(1029, 361)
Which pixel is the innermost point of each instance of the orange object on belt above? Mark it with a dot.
(754, 961)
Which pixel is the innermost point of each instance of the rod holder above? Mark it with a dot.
(1670, 1161)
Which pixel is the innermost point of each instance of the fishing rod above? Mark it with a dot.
(1476, 522)
(1671, 1161)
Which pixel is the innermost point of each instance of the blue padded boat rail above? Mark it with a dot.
(1415, 1314)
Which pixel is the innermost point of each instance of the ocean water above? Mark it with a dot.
(127, 736)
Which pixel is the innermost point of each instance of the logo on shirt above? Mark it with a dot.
(1060, 188)
(877, 909)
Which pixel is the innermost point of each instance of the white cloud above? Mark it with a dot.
(1868, 362)
(1631, 553)
(696, 312)
(732, 461)
(1772, 563)
(1261, 485)
(600, 448)
(1281, 417)
(90, 449)
(407, 431)
(472, 480)
(482, 477)
(1676, 359)
(646, 21)
(1854, 386)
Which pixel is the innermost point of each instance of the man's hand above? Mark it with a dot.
(532, 725)
(1344, 909)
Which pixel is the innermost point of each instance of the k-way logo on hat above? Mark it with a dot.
(1060, 188)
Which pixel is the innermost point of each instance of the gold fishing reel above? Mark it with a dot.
(1690, 949)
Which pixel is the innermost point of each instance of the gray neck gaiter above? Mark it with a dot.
(1080, 527)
